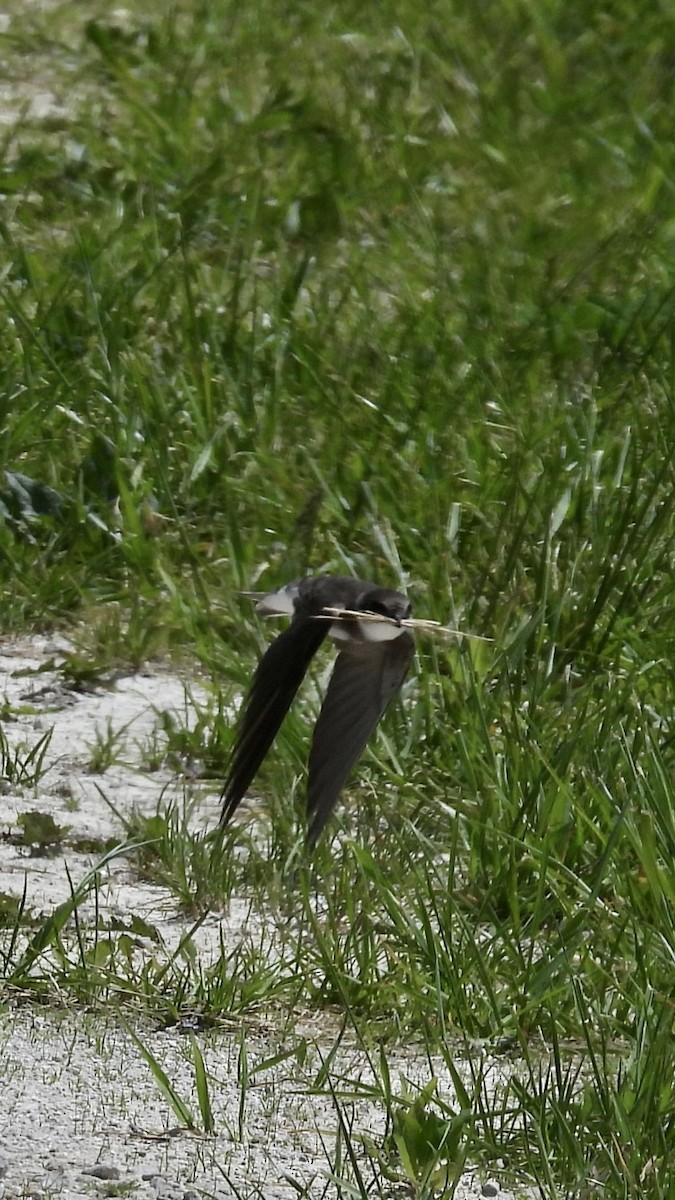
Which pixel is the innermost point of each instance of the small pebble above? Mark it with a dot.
(101, 1171)
(490, 1188)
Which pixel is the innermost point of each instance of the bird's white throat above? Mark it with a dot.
(368, 631)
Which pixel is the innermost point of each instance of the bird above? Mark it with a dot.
(373, 660)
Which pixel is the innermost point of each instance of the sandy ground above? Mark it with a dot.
(34, 88)
(80, 1111)
(37, 700)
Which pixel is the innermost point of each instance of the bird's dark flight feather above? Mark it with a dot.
(277, 678)
(366, 676)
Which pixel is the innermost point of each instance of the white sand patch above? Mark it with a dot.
(77, 1097)
(37, 700)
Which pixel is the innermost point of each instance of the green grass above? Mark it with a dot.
(384, 290)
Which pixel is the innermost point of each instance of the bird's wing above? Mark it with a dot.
(366, 677)
(277, 678)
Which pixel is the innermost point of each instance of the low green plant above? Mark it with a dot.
(40, 832)
(178, 1105)
(105, 749)
(23, 765)
(427, 1142)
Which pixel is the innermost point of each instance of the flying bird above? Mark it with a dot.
(374, 657)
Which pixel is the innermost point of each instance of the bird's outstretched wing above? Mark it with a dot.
(277, 678)
(366, 677)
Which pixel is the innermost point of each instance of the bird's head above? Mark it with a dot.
(387, 603)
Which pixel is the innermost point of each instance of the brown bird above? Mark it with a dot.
(373, 660)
